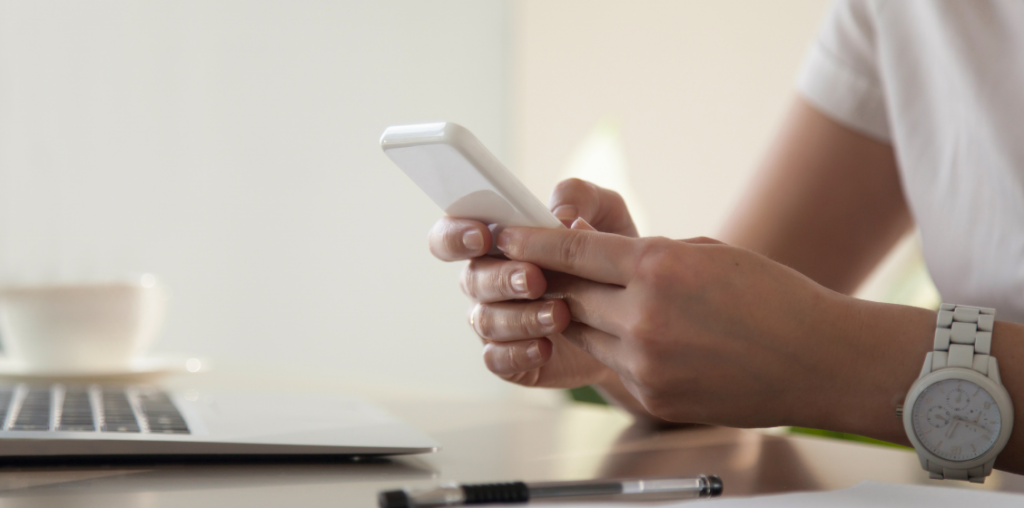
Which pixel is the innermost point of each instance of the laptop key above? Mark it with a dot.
(76, 413)
(117, 413)
(162, 415)
(35, 411)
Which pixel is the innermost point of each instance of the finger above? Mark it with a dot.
(601, 345)
(508, 359)
(593, 303)
(488, 279)
(574, 198)
(601, 257)
(517, 321)
(454, 239)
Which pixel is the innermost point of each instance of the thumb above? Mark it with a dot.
(603, 208)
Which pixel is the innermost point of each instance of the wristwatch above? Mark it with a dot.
(957, 414)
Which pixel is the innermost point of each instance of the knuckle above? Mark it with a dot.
(648, 326)
(656, 401)
(614, 198)
(493, 358)
(492, 282)
(514, 246)
(513, 358)
(504, 360)
(483, 322)
(644, 330)
(658, 406)
(657, 388)
(658, 262)
(451, 240)
(528, 322)
(572, 248)
(516, 325)
(527, 325)
(505, 323)
(652, 256)
(435, 238)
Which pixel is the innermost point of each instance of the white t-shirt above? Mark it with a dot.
(943, 82)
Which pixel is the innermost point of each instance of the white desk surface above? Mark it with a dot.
(483, 441)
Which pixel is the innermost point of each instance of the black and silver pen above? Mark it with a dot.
(519, 492)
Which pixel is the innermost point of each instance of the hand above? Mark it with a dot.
(703, 332)
(520, 330)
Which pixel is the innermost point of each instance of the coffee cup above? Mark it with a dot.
(81, 327)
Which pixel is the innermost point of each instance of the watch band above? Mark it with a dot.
(963, 338)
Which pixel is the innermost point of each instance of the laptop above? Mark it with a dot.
(54, 419)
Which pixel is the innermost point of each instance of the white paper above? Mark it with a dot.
(866, 494)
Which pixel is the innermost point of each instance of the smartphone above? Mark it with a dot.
(463, 177)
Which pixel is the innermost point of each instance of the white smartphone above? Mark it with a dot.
(463, 177)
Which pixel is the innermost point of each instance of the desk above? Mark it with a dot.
(483, 441)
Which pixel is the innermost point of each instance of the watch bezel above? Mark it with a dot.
(999, 395)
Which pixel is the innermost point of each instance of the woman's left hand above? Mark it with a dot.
(703, 332)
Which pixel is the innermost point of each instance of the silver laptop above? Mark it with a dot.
(102, 420)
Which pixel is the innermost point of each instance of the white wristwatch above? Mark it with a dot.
(957, 414)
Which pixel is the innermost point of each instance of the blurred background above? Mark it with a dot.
(231, 148)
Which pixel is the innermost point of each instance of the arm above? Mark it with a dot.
(806, 209)
(827, 202)
(704, 332)
(700, 331)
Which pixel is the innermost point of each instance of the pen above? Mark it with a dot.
(518, 492)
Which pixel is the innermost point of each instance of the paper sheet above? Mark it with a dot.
(866, 494)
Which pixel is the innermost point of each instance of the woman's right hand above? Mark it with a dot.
(521, 332)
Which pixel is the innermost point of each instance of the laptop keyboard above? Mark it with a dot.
(95, 408)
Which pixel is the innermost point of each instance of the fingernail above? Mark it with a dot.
(519, 282)
(581, 223)
(533, 351)
(473, 240)
(546, 316)
(503, 241)
(566, 212)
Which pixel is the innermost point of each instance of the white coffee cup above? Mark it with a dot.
(82, 327)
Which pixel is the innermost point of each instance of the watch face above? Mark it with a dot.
(956, 419)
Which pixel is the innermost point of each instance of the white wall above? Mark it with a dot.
(230, 147)
(696, 88)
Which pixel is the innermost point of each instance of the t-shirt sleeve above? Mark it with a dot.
(840, 75)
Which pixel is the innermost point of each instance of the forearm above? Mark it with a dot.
(1008, 348)
(877, 354)
(826, 201)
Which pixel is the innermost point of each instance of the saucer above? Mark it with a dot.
(145, 369)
